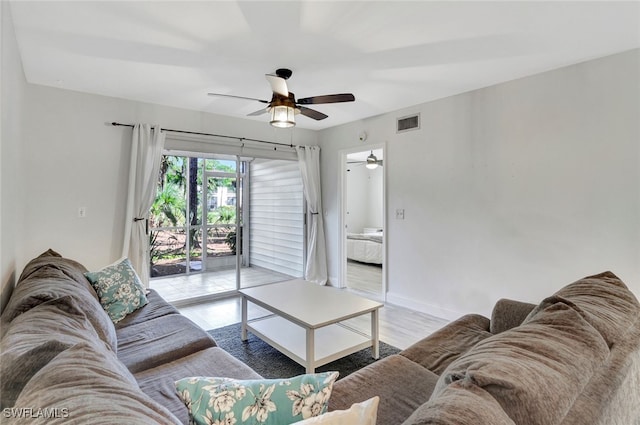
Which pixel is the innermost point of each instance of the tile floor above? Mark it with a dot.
(176, 289)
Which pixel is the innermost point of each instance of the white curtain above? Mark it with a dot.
(147, 144)
(309, 162)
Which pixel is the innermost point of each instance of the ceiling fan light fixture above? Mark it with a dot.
(282, 116)
(372, 162)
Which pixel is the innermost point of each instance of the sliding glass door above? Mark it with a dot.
(220, 223)
(193, 219)
(168, 240)
(221, 214)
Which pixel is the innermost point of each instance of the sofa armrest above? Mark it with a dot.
(508, 314)
(437, 350)
(401, 384)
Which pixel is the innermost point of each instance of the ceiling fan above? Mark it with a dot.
(283, 105)
(371, 162)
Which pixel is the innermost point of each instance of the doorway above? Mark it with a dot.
(363, 222)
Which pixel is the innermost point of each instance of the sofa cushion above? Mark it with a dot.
(50, 260)
(460, 404)
(59, 319)
(535, 371)
(159, 382)
(156, 307)
(507, 314)
(401, 384)
(439, 349)
(119, 289)
(88, 385)
(604, 301)
(49, 277)
(17, 371)
(265, 401)
(161, 340)
(612, 394)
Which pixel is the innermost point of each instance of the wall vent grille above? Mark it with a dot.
(408, 123)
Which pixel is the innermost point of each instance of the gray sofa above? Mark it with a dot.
(62, 357)
(574, 359)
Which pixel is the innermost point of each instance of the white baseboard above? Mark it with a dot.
(418, 305)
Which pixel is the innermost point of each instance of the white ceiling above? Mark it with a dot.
(389, 54)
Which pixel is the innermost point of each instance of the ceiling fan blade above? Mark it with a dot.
(379, 162)
(329, 98)
(237, 97)
(311, 113)
(278, 85)
(258, 112)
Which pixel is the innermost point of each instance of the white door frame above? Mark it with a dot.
(342, 199)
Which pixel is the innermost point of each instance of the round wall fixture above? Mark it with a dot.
(362, 136)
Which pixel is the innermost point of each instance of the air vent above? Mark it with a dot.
(409, 123)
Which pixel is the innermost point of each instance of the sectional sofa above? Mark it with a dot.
(573, 359)
(64, 357)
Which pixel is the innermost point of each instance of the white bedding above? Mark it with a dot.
(366, 248)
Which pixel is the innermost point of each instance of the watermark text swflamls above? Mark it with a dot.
(35, 413)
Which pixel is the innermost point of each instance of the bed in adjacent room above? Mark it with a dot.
(365, 247)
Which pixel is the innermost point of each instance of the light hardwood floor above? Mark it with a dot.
(399, 326)
(365, 278)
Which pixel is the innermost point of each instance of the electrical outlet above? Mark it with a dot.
(400, 214)
(82, 212)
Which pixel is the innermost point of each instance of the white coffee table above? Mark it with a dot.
(305, 322)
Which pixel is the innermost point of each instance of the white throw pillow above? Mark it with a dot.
(364, 413)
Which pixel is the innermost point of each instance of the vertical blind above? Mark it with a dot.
(277, 216)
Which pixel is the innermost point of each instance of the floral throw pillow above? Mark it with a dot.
(119, 289)
(257, 401)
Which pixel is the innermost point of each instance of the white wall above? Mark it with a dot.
(12, 85)
(509, 191)
(364, 198)
(357, 199)
(375, 189)
(72, 158)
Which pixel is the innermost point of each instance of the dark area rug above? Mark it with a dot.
(271, 363)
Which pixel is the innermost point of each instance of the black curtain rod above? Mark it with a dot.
(241, 139)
